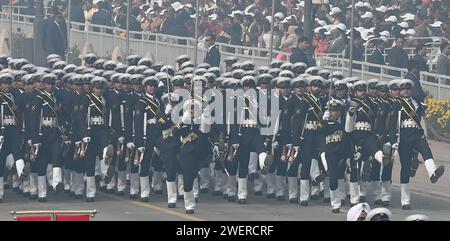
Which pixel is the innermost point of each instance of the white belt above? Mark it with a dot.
(97, 120)
(311, 125)
(334, 137)
(48, 121)
(151, 121)
(408, 123)
(8, 120)
(363, 126)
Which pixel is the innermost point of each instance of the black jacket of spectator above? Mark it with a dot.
(236, 34)
(417, 91)
(212, 56)
(376, 58)
(358, 55)
(101, 17)
(422, 63)
(398, 58)
(299, 55)
(55, 37)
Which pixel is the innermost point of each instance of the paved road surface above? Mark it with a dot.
(431, 199)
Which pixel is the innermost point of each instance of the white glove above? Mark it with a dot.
(20, 164)
(357, 156)
(288, 146)
(326, 115)
(235, 146)
(2, 139)
(351, 111)
(395, 146)
(86, 139)
(67, 142)
(36, 145)
(130, 145)
(168, 109)
(121, 139)
(29, 142)
(275, 144)
(9, 161)
(78, 143)
(216, 149)
(141, 149)
(186, 119)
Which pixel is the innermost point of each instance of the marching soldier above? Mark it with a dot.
(406, 134)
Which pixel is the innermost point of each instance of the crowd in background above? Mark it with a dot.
(248, 23)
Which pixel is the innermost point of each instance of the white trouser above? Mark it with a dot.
(111, 185)
(376, 190)
(42, 186)
(315, 190)
(270, 182)
(304, 190)
(180, 184)
(204, 177)
(195, 187)
(1, 187)
(33, 183)
(315, 170)
(231, 186)
(354, 192)
(242, 188)
(157, 180)
(50, 174)
(78, 183)
(293, 187)
(342, 186)
(72, 181)
(253, 163)
(280, 182)
(386, 191)
(224, 185)
(189, 200)
(405, 190)
(171, 192)
(90, 187)
(363, 188)
(430, 166)
(57, 176)
(218, 180)
(134, 183)
(121, 181)
(145, 186)
(326, 187)
(15, 181)
(258, 184)
(336, 195)
(66, 175)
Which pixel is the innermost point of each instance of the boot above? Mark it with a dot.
(171, 194)
(42, 188)
(189, 202)
(304, 191)
(242, 190)
(90, 189)
(145, 188)
(134, 185)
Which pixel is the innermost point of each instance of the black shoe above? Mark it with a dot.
(242, 201)
(204, 190)
(281, 198)
(196, 200)
(42, 199)
(271, 195)
(103, 189)
(225, 196)
(172, 205)
(320, 178)
(59, 187)
(120, 193)
(258, 193)
(377, 202)
(406, 207)
(109, 191)
(315, 197)
(79, 196)
(144, 199)
(385, 203)
(231, 198)
(26, 194)
(293, 200)
(133, 196)
(303, 203)
(180, 197)
(362, 199)
(327, 200)
(336, 210)
(217, 193)
(89, 199)
(159, 192)
(437, 174)
(190, 211)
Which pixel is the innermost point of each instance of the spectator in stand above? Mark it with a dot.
(101, 17)
(55, 34)
(339, 44)
(397, 56)
(358, 53)
(443, 63)
(299, 53)
(212, 56)
(236, 29)
(414, 75)
(290, 39)
(421, 53)
(376, 57)
(320, 41)
(76, 12)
